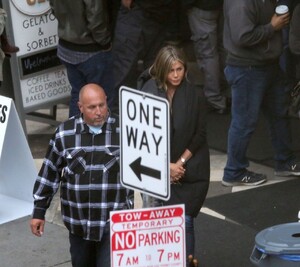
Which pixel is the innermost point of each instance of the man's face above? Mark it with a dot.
(93, 106)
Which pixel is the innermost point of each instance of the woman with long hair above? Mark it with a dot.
(190, 165)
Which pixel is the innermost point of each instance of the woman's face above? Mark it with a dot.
(176, 74)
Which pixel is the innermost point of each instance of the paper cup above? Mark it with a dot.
(281, 10)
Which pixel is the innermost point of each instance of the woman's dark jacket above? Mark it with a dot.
(188, 131)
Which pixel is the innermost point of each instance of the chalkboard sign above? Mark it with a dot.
(39, 62)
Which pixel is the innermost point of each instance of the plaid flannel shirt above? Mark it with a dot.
(86, 167)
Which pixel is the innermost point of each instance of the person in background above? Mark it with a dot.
(205, 18)
(294, 34)
(286, 59)
(190, 163)
(253, 40)
(84, 46)
(6, 48)
(142, 27)
(289, 61)
(83, 160)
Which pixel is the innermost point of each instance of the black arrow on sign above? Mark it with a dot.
(139, 169)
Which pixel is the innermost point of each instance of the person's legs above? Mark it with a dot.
(76, 80)
(154, 35)
(103, 249)
(127, 47)
(204, 27)
(276, 108)
(190, 236)
(144, 37)
(97, 69)
(248, 87)
(82, 251)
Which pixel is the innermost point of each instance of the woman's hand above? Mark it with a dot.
(176, 172)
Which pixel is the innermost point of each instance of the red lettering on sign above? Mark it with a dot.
(147, 215)
(124, 240)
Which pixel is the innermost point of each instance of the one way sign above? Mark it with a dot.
(145, 143)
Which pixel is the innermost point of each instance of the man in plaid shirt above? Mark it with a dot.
(83, 158)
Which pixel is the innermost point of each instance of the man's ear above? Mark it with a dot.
(79, 105)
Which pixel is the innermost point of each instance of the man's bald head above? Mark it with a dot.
(92, 104)
(90, 88)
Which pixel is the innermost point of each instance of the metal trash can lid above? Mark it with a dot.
(280, 239)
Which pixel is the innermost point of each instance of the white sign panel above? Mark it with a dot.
(148, 237)
(5, 104)
(17, 168)
(42, 77)
(34, 33)
(145, 155)
(42, 88)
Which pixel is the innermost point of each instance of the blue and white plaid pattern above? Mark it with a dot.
(86, 167)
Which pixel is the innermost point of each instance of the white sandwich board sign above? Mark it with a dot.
(17, 169)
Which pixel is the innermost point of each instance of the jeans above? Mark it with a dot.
(254, 88)
(90, 253)
(97, 69)
(190, 236)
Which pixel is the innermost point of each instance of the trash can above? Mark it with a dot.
(277, 246)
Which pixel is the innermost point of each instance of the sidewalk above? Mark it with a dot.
(224, 238)
(20, 248)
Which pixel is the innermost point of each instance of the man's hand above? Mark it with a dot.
(37, 227)
(278, 22)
